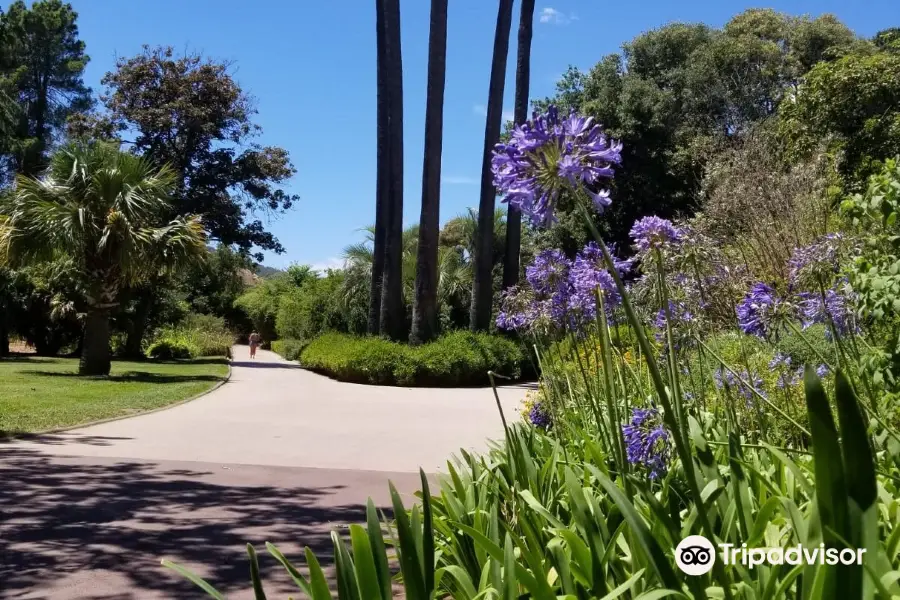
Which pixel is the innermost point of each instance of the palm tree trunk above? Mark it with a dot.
(523, 76)
(134, 340)
(393, 317)
(95, 358)
(482, 287)
(382, 162)
(4, 336)
(424, 322)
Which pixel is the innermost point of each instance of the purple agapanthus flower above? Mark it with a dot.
(547, 153)
(831, 309)
(788, 376)
(758, 311)
(549, 273)
(655, 233)
(681, 317)
(647, 442)
(724, 377)
(589, 275)
(539, 416)
(822, 370)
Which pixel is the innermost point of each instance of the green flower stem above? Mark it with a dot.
(681, 445)
(751, 388)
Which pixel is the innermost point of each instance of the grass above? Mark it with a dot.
(37, 394)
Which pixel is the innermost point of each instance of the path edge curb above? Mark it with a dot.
(31, 434)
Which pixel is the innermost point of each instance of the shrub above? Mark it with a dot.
(457, 359)
(203, 335)
(169, 349)
(288, 349)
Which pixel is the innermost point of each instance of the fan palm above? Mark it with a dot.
(103, 208)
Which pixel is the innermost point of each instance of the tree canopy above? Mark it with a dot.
(189, 112)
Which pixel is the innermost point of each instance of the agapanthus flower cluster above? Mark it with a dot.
(758, 313)
(588, 276)
(682, 319)
(788, 375)
(549, 153)
(647, 442)
(817, 263)
(561, 294)
(654, 233)
(831, 309)
(724, 377)
(539, 415)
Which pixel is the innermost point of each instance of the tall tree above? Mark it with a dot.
(424, 321)
(104, 209)
(482, 286)
(523, 77)
(42, 62)
(382, 162)
(393, 316)
(188, 112)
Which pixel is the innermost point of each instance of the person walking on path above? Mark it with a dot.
(254, 343)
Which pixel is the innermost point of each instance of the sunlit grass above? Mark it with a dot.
(37, 394)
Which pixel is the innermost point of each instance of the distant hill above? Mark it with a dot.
(264, 271)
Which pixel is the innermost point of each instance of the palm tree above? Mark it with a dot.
(424, 321)
(393, 317)
(102, 208)
(382, 163)
(482, 286)
(523, 75)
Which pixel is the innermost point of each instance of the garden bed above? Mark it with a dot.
(40, 394)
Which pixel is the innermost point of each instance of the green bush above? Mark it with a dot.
(168, 349)
(457, 359)
(203, 335)
(288, 349)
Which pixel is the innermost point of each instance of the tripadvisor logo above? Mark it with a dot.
(695, 555)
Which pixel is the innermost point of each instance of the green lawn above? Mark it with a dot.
(37, 394)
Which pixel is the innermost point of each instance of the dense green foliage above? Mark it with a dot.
(456, 359)
(193, 337)
(289, 349)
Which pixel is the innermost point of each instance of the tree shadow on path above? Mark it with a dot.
(110, 521)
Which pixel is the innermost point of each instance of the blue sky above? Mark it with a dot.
(311, 67)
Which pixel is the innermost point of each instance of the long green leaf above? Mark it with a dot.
(258, 592)
(195, 579)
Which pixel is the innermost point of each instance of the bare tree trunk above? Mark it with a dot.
(382, 163)
(424, 322)
(95, 359)
(482, 287)
(393, 317)
(523, 77)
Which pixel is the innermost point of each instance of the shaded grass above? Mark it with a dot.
(37, 394)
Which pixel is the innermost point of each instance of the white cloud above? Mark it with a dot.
(458, 180)
(329, 263)
(555, 17)
(508, 115)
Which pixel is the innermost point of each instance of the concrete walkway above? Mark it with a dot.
(276, 454)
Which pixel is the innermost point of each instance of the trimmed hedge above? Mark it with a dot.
(288, 349)
(457, 359)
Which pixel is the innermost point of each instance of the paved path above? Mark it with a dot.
(276, 454)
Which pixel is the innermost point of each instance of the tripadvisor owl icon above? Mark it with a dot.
(695, 555)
